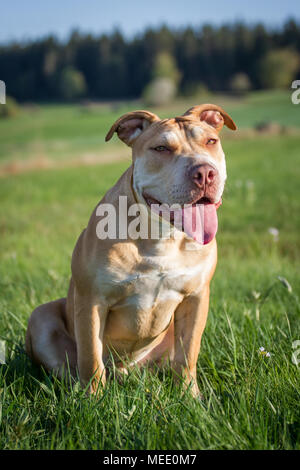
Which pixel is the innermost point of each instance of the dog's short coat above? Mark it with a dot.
(142, 300)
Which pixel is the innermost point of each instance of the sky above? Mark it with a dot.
(31, 19)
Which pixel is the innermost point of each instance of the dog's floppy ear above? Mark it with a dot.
(131, 125)
(213, 115)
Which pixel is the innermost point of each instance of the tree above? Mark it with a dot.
(240, 83)
(111, 66)
(165, 78)
(165, 67)
(159, 91)
(278, 68)
(72, 84)
(9, 109)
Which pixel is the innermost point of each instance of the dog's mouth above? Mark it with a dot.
(198, 219)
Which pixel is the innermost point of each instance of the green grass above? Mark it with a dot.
(60, 133)
(250, 401)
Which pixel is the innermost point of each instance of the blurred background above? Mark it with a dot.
(70, 69)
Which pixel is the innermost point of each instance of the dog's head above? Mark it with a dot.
(178, 160)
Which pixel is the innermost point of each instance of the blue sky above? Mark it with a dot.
(30, 19)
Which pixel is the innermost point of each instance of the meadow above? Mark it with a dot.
(54, 168)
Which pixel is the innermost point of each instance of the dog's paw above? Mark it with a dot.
(118, 373)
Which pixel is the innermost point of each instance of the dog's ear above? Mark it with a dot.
(213, 115)
(131, 125)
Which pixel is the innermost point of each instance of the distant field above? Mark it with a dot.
(58, 134)
(250, 401)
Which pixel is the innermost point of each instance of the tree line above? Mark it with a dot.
(114, 67)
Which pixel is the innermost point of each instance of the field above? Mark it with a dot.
(50, 184)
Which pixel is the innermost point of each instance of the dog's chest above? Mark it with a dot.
(142, 302)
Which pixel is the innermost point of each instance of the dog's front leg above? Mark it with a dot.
(189, 323)
(90, 320)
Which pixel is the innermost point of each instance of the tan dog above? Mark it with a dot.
(141, 300)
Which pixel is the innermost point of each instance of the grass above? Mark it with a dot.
(250, 401)
(63, 133)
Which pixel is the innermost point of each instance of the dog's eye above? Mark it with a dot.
(211, 141)
(161, 148)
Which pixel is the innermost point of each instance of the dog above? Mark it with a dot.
(135, 299)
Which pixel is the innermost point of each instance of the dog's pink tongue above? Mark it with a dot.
(200, 222)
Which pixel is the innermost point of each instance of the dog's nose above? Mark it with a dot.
(203, 175)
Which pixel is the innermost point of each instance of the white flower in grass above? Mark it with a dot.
(263, 352)
(286, 284)
(247, 312)
(274, 232)
(54, 276)
(256, 294)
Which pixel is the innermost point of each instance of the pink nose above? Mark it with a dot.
(203, 175)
